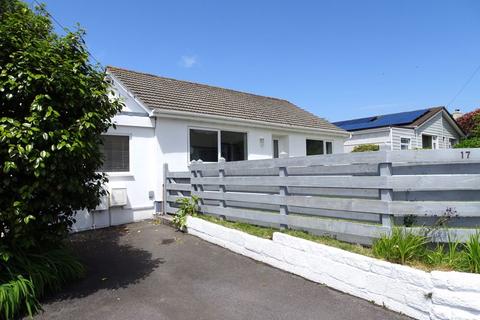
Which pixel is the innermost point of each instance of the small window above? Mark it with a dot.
(314, 147)
(434, 142)
(426, 142)
(116, 153)
(234, 145)
(203, 145)
(452, 142)
(329, 147)
(275, 148)
(405, 143)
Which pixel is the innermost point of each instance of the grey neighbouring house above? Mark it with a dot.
(432, 128)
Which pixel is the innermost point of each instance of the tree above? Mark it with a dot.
(470, 124)
(54, 105)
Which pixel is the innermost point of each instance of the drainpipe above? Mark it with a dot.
(391, 138)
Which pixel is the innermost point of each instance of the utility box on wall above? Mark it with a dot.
(118, 197)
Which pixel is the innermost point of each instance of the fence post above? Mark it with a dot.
(222, 188)
(197, 187)
(164, 191)
(385, 170)
(282, 172)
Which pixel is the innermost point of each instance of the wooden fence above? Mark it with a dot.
(354, 197)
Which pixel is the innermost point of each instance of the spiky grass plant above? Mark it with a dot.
(400, 246)
(25, 277)
(472, 252)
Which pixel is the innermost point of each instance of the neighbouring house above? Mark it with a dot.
(167, 121)
(432, 128)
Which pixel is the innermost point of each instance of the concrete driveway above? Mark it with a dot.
(148, 271)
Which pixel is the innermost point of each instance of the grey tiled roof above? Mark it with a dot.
(168, 94)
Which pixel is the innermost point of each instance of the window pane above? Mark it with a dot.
(404, 143)
(234, 145)
(314, 147)
(329, 147)
(115, 150)
(426, 142)
(203, 145)
(275, 148)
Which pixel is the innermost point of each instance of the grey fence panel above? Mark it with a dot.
(354, 197)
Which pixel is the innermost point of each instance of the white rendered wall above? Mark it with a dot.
(172, 139)
(135, 123)
(378, 137)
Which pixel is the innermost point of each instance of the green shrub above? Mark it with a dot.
(25, 277)
(400, 246)
(473, 142)
(366, 148)
(188, 207)
(54, 107)
(472, 253)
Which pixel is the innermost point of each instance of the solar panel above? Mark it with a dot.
(381, 121)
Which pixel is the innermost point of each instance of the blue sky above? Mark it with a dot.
(337, 59)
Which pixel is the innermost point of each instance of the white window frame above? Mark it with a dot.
(435, 145)
(128, 173)
(219, 141)
(409, 145)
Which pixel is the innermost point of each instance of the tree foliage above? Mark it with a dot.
(54, 105)
(470, 123)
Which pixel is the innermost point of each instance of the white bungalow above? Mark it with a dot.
(432, 128)
(167, 121)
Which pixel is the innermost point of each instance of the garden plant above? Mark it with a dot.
(54, 106)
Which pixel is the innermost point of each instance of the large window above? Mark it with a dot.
(318, 147)
(234, 146)
(405, 143)
(205, 145)
(116, 153)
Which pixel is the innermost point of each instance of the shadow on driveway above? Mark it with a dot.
(148, 271)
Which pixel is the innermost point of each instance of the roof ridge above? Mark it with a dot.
(203, 84)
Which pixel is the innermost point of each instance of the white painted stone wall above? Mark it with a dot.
(422, 295)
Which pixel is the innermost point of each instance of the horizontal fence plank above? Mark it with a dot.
(435, 208)
(368, 182)
(178, 174)
(466, 155)
(356, 205)
(251, 215)
(330, 159)
(435, 182)
(170, 209)
(178, 186)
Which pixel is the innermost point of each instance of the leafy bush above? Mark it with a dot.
(401, 246)
(25, 277)
(366, 148)
(188, 207)
(54, 106)
(473, 142)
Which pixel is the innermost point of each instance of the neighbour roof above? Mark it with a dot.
(402, 119)
(169, 94)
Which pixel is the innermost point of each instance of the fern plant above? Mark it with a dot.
(188, 207)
